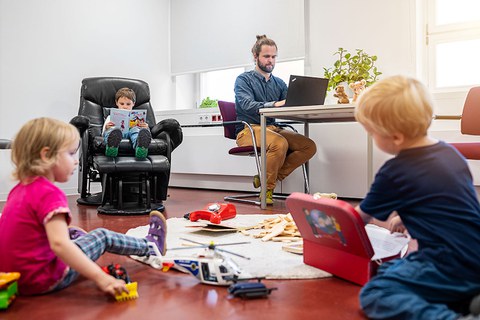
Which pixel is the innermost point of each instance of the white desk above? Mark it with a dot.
(307, 114)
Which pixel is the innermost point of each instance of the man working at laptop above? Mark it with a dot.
(256, 89)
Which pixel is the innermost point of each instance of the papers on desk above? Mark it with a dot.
(384, 243)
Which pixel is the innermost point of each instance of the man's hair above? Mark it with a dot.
(32, 138)
(126, 93)
(396, 105)
(261, 41)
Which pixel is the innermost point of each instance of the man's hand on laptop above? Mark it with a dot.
(279, 103)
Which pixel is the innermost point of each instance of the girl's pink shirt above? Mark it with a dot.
(24, 245)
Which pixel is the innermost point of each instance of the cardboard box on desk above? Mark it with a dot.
(335, 238)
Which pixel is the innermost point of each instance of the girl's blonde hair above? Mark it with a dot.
(32, 138)
(396, 105)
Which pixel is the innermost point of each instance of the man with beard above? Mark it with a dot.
(258, 88)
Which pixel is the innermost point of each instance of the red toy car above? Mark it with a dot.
(214, 212)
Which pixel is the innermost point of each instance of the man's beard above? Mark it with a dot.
(265, 68)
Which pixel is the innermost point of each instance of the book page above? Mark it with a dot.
(137, 116)
(121, 118)
(384, 243)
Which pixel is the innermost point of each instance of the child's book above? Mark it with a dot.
(336, 240)
(126, 119)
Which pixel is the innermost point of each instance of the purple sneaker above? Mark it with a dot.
(76, 232)
(157, 234)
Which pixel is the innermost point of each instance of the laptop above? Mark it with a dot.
(306, 91)
(335, 239)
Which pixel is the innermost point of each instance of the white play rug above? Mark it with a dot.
(267, 259)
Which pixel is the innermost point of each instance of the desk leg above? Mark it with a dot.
(263, 156)
(306, 133)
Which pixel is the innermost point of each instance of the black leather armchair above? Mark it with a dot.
(129, 185)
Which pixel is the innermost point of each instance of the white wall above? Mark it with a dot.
(47, 47)
(381, 28)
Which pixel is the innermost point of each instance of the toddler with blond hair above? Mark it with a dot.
(429, 185)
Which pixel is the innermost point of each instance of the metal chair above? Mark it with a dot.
(229, 118)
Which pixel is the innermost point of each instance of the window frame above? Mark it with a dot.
(202, 77)
(434, 35)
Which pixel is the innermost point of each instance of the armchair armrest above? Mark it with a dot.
(81, 123)
(5, 144)
(172, 127)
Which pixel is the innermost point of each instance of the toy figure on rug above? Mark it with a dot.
(36, 217)
(428, 184)
(358, 87)
(341, 95)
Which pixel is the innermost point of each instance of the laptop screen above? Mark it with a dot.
(306, 91)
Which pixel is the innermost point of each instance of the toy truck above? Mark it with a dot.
(8, 288)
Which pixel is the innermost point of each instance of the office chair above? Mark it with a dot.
(229, 121)
(470, 125)
(129, 185)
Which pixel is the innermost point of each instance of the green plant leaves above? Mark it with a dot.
(352, 67)
(209, 103)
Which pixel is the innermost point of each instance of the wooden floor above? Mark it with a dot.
(174, 295)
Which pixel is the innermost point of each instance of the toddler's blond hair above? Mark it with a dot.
(32, 138)
(396, 104)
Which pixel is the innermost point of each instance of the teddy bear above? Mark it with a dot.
(357, 88)
(341, 95)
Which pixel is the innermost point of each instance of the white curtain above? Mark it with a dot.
(217, 34)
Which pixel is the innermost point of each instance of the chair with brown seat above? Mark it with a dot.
(470, 125)
(229, 118)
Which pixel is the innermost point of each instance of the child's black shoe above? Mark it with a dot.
(113, 141)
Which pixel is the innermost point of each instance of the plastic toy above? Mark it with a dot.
(249, 290)
(132, 292)
(214, 212)
(209, 266)
(8, 288)
(119, 272)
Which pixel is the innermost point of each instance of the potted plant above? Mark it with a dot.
(350, 68)
(209, 103)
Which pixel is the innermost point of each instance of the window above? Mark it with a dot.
(453, 43)
(219, 84)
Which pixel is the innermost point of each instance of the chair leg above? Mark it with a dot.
(105, 188)
(120, 193)
(243, 198)
(305, 177)
(140, 189)
(147, 192)
(155, 189)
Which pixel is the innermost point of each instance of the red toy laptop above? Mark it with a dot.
(334, 237)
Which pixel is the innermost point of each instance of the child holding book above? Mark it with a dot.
(429, 185)
(139, 135)
(34, 235)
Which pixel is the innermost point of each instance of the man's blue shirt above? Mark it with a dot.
(253, 92)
